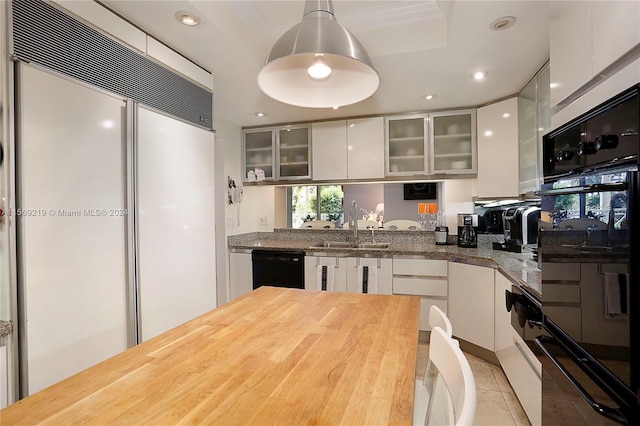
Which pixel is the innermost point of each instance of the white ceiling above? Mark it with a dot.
(417, 46)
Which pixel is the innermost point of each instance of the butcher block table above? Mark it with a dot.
(274, 356)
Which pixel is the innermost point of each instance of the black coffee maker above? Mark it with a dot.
(467, 230)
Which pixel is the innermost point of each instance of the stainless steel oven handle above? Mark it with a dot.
(610, 413)
(586, 189)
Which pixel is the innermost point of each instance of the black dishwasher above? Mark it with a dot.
(278, 268)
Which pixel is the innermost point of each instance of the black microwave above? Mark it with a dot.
(421, 191)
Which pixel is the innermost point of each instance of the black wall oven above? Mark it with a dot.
(588, 318)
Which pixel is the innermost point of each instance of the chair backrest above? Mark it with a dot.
(437, 318)
(364, 224)
(318, 224)
(403, 224)
(454, 372)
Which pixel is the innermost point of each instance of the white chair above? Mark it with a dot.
(454, 397)
(318, 224)
(402, 224)
(363, 224)
(424, 386)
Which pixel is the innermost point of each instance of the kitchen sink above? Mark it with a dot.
(598, 249)
(346, 245)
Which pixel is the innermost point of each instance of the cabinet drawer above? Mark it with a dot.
(561, 293)
(436, 268)
(419, 286)
(560, 271)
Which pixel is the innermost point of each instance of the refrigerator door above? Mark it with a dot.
(175, 222)
(71, 227)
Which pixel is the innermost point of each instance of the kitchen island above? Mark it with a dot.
(276, 356)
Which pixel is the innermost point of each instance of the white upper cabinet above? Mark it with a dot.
(570, 46)
(453, 142)
(365, 147)
(585, 38)
(294, 152)
(615, 27)
(348, 149)
(406, 145)
(498, 149)
(534, 120)
(258, 151)
(283, 153)
(431, 144)
(329, 150)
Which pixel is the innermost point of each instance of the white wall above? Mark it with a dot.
(254, 213)
(456, 197)
(366, 195)
(396, 207)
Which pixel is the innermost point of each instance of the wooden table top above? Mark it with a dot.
(274, 356)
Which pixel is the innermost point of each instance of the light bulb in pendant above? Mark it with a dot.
(319, 70)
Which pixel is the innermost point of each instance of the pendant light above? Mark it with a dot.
(318, 63)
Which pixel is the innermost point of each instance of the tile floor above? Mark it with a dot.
(497, 404)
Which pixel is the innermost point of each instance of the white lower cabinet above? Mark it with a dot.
(379, 275)
(502, 319)
(520, 365)
(240, 274)
(471, 303)
(524, 372)
(331, 270)
(426, 278)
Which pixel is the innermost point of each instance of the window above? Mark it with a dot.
(303, 204)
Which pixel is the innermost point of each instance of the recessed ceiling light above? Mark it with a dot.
(488, 133)
(553, 85)
(336, 107)
(502, 23)
(260, 114)
(506, 115)
(479, 75)
(187, 18)
(429, 97)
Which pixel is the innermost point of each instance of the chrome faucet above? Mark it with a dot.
(353, 221)
(611, 225)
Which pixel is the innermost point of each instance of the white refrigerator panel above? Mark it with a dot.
(176, 227)
(72, 225)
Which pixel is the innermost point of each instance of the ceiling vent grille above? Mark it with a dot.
(48, 37)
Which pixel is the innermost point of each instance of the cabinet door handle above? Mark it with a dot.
(324, 278)
(526, 357)
(365, 279)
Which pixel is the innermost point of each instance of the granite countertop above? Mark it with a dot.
(518, 267)
(6, 328)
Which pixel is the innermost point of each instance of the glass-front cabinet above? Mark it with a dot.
(294, 150)
(453, 142)
(431, 144)
(258, 151)
(406, 145)
(282, 153)
(534, 120)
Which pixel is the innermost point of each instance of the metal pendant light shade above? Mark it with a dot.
(342, 72)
